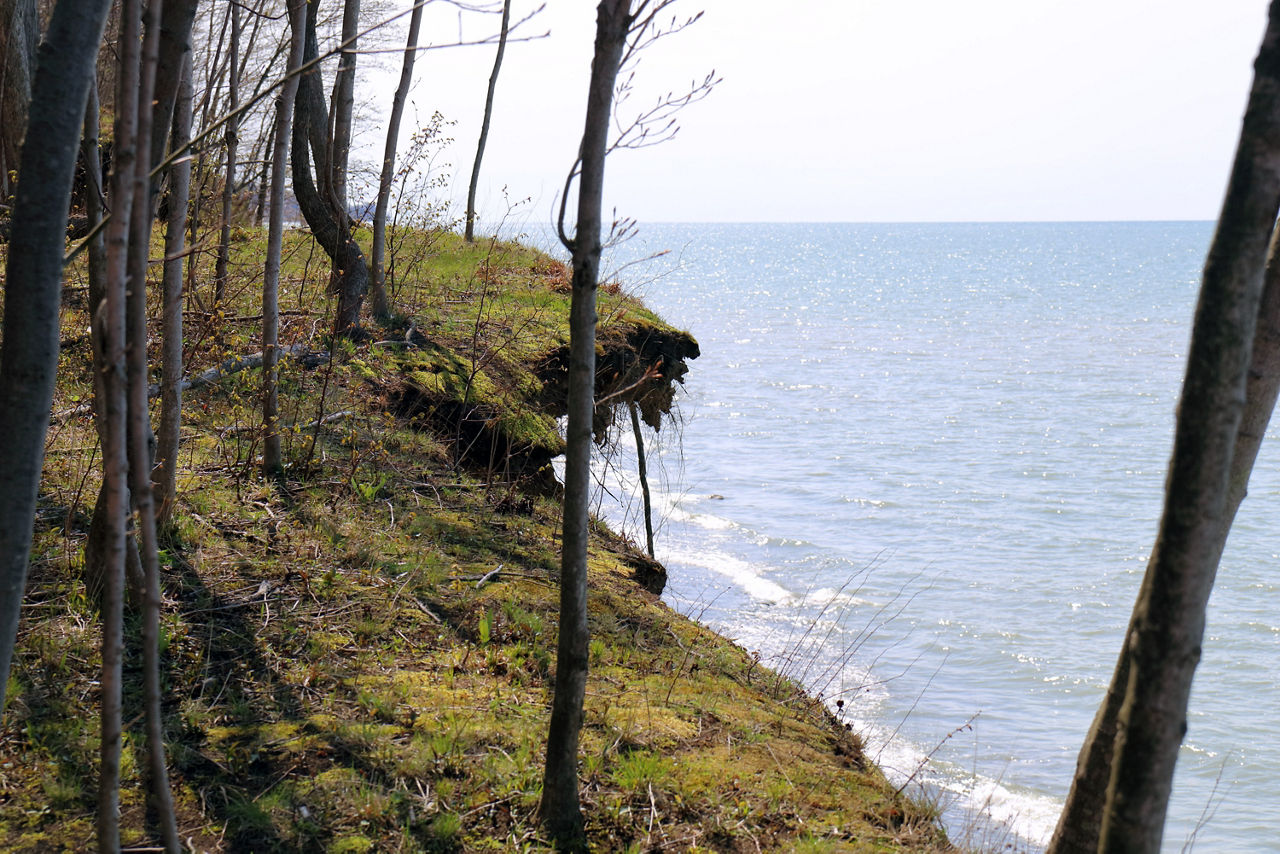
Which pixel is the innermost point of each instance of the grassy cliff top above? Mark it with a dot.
(360, 658)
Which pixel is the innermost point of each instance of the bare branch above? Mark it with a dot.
(574, 171)
(658, 124)
(198, 141)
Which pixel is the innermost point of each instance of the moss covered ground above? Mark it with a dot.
(359, 657)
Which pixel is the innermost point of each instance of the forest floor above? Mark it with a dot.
(360, 656)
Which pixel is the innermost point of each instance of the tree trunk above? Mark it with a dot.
(171, 347)
(381, 305)
(177, 18)
(328, 222)
(175, 33)
(272, 460)
(344, 102)
(1080, 824)
(140, 437)
(96, 567)
(95, 570)
(1211, 460)
(484, 125)
(264, 178)
(19, 36)
(139, 433)
(231, 140)
(112, 325)
(643, 470)
(560, 809)
(33, 281)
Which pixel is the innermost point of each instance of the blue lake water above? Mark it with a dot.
(920, 468)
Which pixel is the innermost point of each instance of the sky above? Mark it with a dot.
(863, 110)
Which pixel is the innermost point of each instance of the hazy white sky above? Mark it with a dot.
(874, 110)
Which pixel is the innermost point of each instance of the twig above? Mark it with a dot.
(964, 727)
(298, 428)
(208, 377)
(432, 614)
(652, 372)
(491, 575)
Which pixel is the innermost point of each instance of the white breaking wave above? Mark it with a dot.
(746, 576)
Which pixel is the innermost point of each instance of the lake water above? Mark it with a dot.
(920, 468)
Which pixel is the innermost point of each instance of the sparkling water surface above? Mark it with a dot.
(920, 467)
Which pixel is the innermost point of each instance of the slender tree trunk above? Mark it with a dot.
(560, 809)
(139, 433)
(177, 18)
(381, 305)
(96, 568)
(175, 31)
(232, 141)
(272, 460)
(329, 223)
(484, 125)
(91, 158)
(113, 323)
(171, 348)
(200, 172)
(140, 437)
(33, 281)
(344, 102)
(643, 470)
(19, 36)
(264, 178)
(1213, 453)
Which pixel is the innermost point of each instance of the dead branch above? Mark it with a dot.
(305, 356)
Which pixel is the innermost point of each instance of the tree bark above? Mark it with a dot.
(231, 140)
(344, 102)
(560, 809)
(96, 568)
(484, 125)
(177, 18)
(33, 280)
(643, 469)
(264, 178)
(171, 346)
(140, 438)
(19, 36)
(1080, 824)
(381, 305)
(328, 222)
(272, 460)
(1213, 451)
(112, 325)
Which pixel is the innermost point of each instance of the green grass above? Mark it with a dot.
(374, 699)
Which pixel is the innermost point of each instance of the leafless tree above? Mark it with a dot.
(140, 437)
(231, 141)
(171, 323)
(33, 282)
(1124, 777)
(470, 232)
(272, 461)
(344, 103)
(110, 334)
(324, 211)
(381, 305)
(560, 808)
(19, 35)
(642, 469)
(622, 28)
